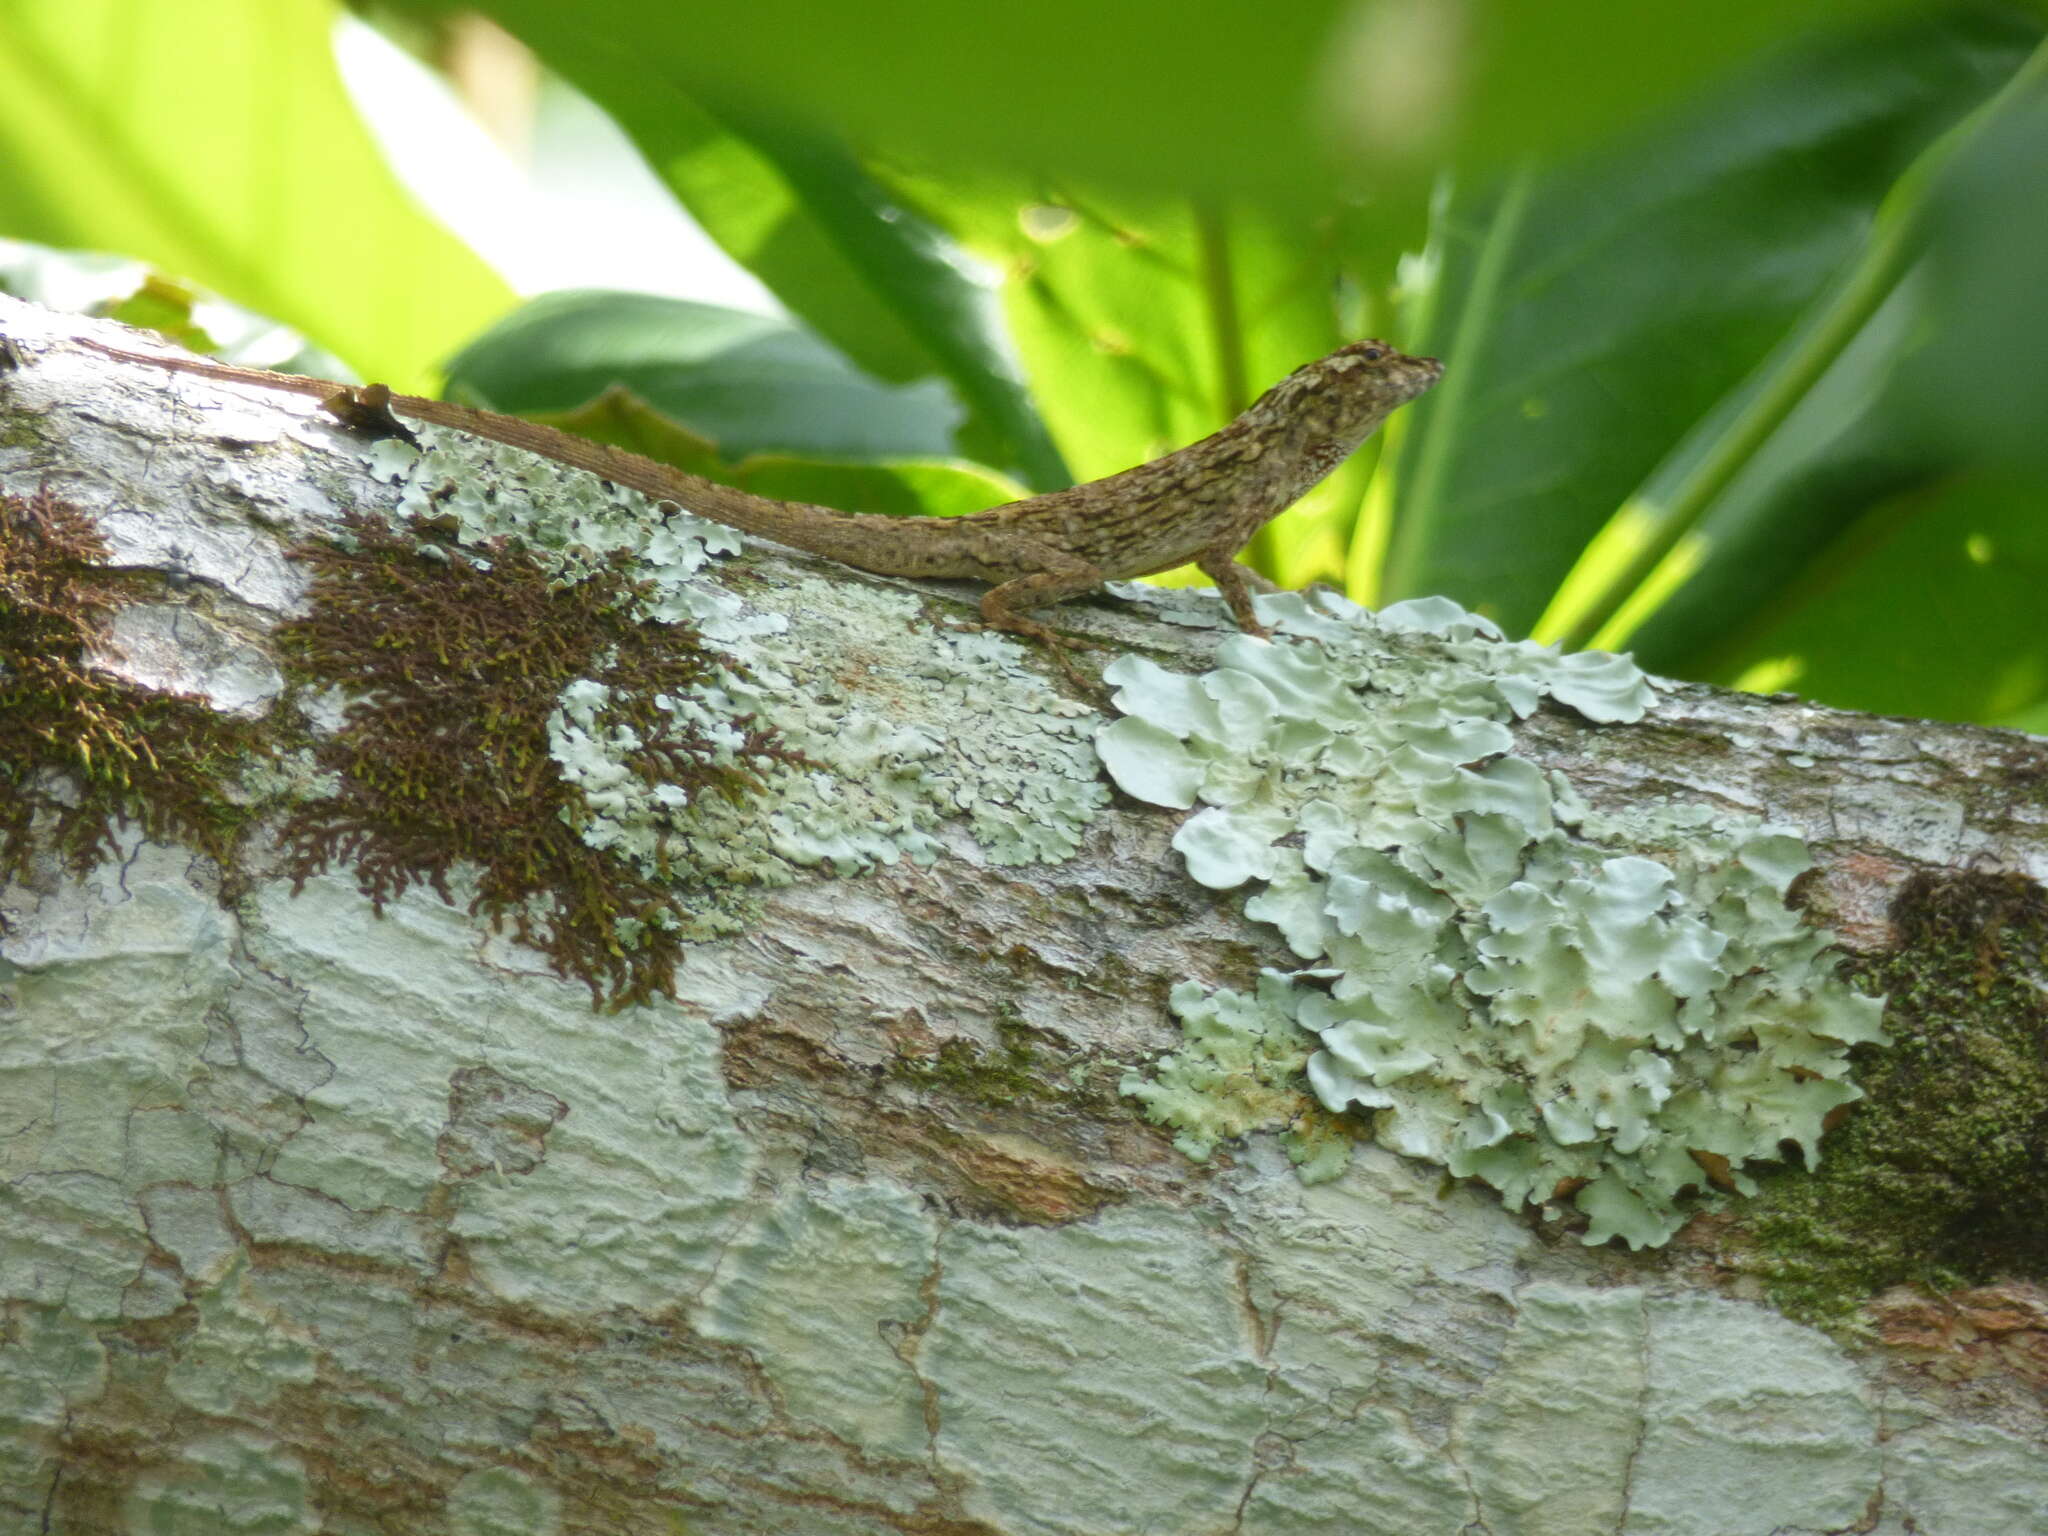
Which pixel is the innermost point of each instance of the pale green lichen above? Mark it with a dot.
(1239, 1072)
(927, 726)
(1515, 986)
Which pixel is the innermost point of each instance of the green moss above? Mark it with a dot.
(1014, 1071)
(20, 432)
(457, 660)
(1935, 1179)
(82, 752)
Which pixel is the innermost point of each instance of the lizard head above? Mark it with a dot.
(1335, 402)
(1374, 376)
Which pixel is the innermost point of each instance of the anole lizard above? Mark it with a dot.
(1201, 503)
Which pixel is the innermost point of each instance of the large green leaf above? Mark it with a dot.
(799, 212)
(1791, 509)
(1225, 98)
(1869, 539)
(1230, 104)
(212, 139)
(899, 487)
(1930, 604)
(1594, 319)
(1982, 382)
(748, 383)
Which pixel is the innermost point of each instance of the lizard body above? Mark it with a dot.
(1201, 503)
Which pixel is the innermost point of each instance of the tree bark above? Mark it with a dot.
(321, 1217)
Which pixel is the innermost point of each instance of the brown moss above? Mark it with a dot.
(455, 659)
(82, 752)
(1935, 1179)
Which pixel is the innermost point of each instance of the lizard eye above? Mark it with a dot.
(1373, 354)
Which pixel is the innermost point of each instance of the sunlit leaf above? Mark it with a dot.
(1148, 323)
(212, 139)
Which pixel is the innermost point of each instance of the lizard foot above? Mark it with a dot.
(1056, 644)
(1051, 638)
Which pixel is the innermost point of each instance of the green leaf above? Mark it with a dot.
(1720, 458)
(901, 489)
(802, 214)
(1511, 79)
(1981, 384)
(747, 383)
(1781, 517)
(624, 420)
(897, 487)
(212, 139)
(1595, 318)
(1929, 605)
(165, 307)
(1222, 99)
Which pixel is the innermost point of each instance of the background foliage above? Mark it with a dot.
(1741, 305)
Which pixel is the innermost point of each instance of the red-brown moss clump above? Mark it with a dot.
(82, 751)
(454, 658)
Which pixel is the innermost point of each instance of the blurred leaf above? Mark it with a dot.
(1492, 83)
(624, 420)
(124, 289)
(1815, 477)
(1930, 605)
(802, 215)
(1981, 385)
(1594, 318)
(165, 307)
(900, 488)
(1224, 99)
(1663, 528)
(212, 139)
(1196, 94)
(747, 383)
(2033, 718)
(1866, 465)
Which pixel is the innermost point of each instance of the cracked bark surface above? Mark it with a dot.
(315, 1220)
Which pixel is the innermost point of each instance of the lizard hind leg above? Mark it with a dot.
(1065, 576)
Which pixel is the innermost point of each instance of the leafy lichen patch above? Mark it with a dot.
(1239, 1072)
(545, 686)
(1614, 1006)
(924, 727)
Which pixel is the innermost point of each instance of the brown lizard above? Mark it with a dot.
(1201, 503)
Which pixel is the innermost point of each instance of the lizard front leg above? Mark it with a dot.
(1236, 582)
(1060, 576)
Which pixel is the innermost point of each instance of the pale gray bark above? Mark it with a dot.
(315, 1220)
